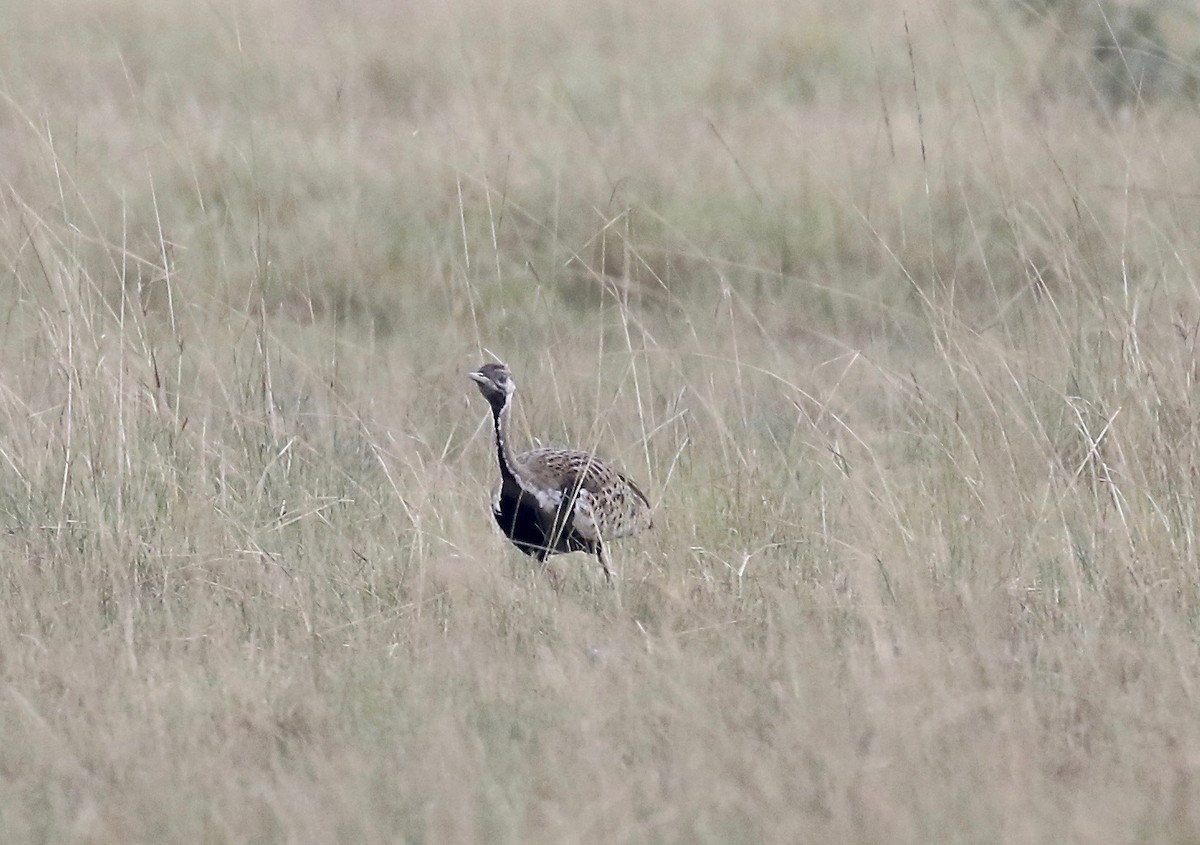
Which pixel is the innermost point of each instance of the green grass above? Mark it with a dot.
(896, 327)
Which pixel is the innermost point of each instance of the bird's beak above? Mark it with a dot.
(477, 376)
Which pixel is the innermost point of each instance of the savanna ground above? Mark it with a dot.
(892, 310)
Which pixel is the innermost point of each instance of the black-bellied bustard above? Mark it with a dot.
(551, 501)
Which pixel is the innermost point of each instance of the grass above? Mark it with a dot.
(897, 328)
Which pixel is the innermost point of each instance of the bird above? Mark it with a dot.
(553, 501)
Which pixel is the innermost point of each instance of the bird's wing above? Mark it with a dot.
(604, 504)
(568, 469)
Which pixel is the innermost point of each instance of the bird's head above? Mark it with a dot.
(495, 383)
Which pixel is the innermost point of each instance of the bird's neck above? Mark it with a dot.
(500, 415)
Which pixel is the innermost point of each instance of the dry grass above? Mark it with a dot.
(899, 331)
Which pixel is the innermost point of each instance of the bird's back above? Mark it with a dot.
(607, 504)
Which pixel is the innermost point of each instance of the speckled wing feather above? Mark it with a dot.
(604, 503)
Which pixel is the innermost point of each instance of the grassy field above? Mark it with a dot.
(892, 311)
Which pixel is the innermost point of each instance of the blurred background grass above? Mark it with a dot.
(893, 311)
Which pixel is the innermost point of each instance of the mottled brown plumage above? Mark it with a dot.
(551, 501)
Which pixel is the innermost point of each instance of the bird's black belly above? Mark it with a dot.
(531, 529)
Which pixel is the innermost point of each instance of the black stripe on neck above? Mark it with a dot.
(498, 423)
